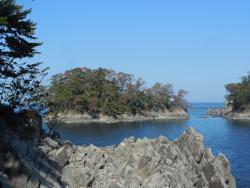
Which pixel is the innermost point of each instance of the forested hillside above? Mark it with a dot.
(106, 92)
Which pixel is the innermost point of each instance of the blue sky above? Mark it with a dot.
(195, 45)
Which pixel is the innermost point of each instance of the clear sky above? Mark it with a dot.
(195, 45)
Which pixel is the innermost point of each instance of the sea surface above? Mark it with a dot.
(231, 138)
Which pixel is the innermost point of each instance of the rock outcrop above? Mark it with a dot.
(177, 114)
(216, 112)
(228, 114)
(151, 163)
(48, 162)
(238, 116)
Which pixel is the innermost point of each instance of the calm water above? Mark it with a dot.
(229, 137)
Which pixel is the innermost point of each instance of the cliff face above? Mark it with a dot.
(177, 114)
(47, 162)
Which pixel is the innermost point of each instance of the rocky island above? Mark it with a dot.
(82, 95)
(30, 158)
(237, 105)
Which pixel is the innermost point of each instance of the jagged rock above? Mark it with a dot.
(184, 162)
(47, 141)
(32, 184)
(68, 177)
(60, 155)
(148, 163)
(45, 148)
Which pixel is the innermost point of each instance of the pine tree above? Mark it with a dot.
(19, 80)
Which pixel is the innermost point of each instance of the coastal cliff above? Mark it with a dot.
(177, 114)
(43, 160)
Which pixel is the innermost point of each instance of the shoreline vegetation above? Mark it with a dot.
(82, 95)
(237, 106)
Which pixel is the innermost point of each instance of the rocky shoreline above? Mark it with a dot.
(68, 118)
(228, 114)
(43, 160)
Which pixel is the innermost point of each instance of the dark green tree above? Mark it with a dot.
(239, 94)
(19, 80)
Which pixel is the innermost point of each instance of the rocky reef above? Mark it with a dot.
(43, 160)
(216, 112)
(228, 114)
(69, 117)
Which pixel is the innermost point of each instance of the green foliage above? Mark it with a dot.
(19, 81)
(106, 92)
(239, 94)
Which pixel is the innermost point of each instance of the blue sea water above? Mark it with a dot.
(231, 138)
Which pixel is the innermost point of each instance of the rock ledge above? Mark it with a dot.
(177, 114)
(228, 114)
